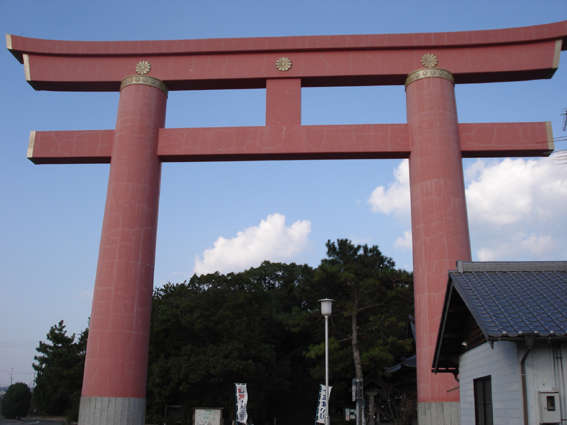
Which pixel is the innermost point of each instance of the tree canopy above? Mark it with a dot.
(216, 330)
(263, 327)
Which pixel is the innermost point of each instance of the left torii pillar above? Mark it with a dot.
(114, 385)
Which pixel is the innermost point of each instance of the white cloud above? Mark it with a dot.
(356, 240)
(397, 197)
(404, 243)
(520, 244)
(85, 295)
(503, 193)
(515, 208)
(271, 240)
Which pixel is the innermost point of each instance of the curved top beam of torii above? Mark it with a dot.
(513, 54)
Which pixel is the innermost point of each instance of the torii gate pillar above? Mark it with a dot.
(114, 384)
(440, 233)
(433, 140)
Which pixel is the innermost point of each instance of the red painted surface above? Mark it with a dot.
(350, 60)
(293, 142)
(506, 139)
(71, 147)
(283, 101)
(284, 142)
(316, 69)
(440, 231)
(117, 351)
(263, 44)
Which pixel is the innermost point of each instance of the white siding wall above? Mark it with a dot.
(541, 375)
(503, 365)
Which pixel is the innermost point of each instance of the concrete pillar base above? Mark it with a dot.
(112, 411)
(439, 413)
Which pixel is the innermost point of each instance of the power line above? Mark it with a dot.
(18, 344)
(19, 373)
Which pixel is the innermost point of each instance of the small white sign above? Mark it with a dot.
(207, 416)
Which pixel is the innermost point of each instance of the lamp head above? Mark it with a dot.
(326, 306)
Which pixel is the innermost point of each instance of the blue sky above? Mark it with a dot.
(51, 215)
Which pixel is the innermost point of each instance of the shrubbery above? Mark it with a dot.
(16, 402)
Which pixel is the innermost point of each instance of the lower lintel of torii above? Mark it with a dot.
(371, 141)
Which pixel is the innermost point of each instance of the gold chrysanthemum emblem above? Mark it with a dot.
(429, 60)
(143, 67)
(283, 64)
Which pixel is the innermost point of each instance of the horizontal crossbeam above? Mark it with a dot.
(292, 142)
(349, 60)
(70, 147)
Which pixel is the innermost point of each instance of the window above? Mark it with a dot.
(483, 401)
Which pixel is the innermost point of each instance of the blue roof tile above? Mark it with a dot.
(507, 300)
(515, 300)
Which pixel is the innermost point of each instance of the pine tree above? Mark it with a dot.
(373, 302)
(59, 369)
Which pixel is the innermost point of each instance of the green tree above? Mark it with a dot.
(59, 365)
(263, 327)
(16, 402)
(373, 302)
(215, 330)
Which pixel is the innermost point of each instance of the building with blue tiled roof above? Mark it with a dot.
(503, 334)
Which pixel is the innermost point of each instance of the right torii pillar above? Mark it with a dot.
(440, 233)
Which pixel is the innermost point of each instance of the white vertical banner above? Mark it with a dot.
(241, 402)
(323, 403)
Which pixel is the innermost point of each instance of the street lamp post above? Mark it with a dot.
(326, 310)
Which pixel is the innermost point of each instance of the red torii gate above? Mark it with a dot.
(116, 366)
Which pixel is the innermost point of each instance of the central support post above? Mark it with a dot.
(440, 230)
(114, 386)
